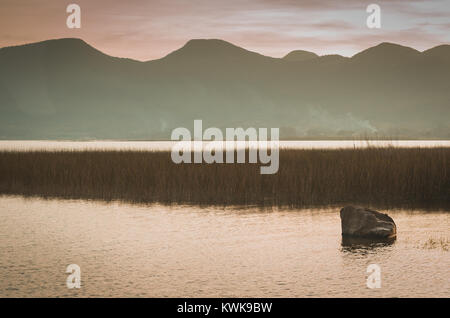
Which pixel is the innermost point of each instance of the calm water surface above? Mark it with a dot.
(180, 251)
(27, 145)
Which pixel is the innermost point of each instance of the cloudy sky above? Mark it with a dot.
(150, 29)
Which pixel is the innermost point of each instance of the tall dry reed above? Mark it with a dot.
(379, 177)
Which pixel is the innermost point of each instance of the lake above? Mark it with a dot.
(27, 145)
(127, 250)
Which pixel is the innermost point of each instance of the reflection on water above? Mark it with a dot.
(350, 241)
(180, 251)
(27, 145)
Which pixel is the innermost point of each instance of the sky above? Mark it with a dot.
(150, 29)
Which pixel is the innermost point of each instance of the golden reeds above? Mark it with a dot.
(379, 177)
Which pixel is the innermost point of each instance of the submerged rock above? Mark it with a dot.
(362, 222)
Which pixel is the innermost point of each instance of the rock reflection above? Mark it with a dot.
(360, 244)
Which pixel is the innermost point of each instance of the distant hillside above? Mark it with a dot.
(300, 55)
(66, 89)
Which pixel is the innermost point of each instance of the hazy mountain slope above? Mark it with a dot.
(300, 55)
(67, 89)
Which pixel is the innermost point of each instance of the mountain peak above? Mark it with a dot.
(66, 43)
(72, 45)
(209, 44)
(300, 55)
(64, 51)
(440, 51)
(389, 46)
(63, 46)
(212, 49)
(386, 51)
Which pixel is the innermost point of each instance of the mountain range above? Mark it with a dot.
(67, 89)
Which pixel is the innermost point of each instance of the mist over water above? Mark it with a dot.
(187, 251)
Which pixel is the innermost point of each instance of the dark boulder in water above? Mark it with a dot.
(365, 223)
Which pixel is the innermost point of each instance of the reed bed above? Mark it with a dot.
(377, 177)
